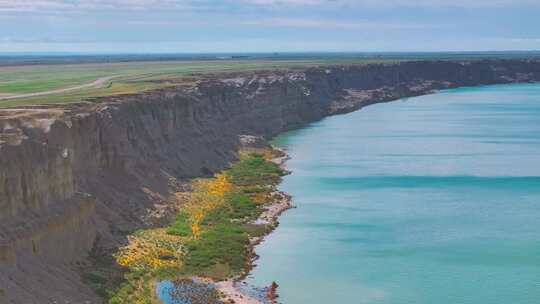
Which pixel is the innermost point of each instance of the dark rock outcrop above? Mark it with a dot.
(77, 175)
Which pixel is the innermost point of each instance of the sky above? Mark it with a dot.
(211, 26)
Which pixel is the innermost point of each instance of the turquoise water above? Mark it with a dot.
(434, 199)
(164, 291)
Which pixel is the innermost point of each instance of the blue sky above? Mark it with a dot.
(179, 26)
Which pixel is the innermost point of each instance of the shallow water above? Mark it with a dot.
(433, 199)
(186, 292)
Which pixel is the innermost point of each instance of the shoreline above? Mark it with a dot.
(235, 290)
(262, 191)
(123, 172)
(280, 203)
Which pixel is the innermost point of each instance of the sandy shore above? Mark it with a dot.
(233, 294)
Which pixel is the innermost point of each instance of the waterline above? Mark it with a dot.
(435, 199)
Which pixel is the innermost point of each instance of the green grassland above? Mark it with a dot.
(128, 77)
(137, 76)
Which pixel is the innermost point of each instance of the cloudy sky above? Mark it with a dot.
(268, 25)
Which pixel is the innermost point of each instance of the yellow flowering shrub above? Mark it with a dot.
(155, 248)
(221, 206)
(206, 195)
(150, 250)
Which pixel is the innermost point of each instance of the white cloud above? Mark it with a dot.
(282, 22)
(397, 3)
(458, 3)
(286, 2)
(525, 40)
(61, 5)
(333, 24)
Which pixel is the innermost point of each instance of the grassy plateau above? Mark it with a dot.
(129, 74)
(125, 78)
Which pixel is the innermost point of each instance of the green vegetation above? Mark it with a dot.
(135, 289)
(137, 76)
(209, 236)
(128, 78)
(115, 283)
(180, 226)
(254, 170)
(220, 253)
(221, 250)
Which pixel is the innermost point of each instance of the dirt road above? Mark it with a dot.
(96, 83)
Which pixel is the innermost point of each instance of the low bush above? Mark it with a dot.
(180, 225)
(254, 170)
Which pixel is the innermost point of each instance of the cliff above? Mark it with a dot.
(80, 176)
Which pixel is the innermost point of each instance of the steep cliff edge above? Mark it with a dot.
(83, 175)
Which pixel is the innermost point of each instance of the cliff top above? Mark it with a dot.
(136, 81)
(22, 83)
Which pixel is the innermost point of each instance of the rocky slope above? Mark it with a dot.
(80, 176)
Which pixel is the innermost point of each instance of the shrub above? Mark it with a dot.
(255, 169)
(224, 243)
(180, 226)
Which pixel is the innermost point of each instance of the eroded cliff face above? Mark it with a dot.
(83, 175)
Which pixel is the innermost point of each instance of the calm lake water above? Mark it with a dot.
(434, 199)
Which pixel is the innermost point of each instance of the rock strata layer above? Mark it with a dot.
(81, 176)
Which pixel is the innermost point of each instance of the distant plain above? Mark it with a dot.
(74, 78)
